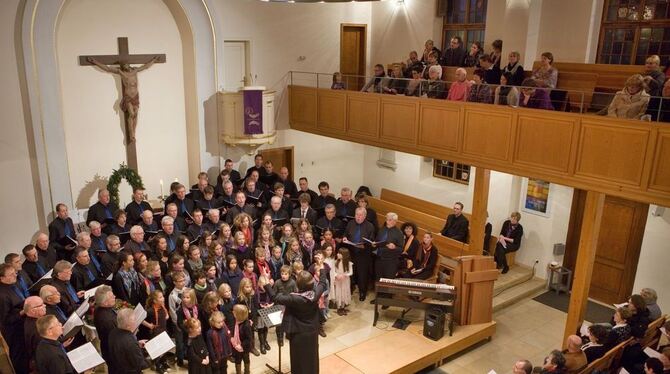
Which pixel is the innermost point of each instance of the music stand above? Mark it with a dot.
(275, 310)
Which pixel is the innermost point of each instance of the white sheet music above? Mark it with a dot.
(139, 314)
(652, 353)
(622, 305)
(71, 323)
(584, 330)
(109, 278)
(492, 372)
(90, 293)
(83, 308)
(275, 317)
(84, 358)
(159, 345)
(623, 371)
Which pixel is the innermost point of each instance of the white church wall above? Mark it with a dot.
(16, 185)
(654, 256)
(93, 125)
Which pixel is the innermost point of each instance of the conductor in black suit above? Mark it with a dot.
(509, 240)
(456, 226)
(301, 319)
(125, 351)
(358, 229)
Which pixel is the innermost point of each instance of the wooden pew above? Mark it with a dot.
(608, 361)
(653, 333)
(611, 78)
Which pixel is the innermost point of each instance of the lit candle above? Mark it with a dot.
(161, 182)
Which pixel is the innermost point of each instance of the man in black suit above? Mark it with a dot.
(60, 228)
(357, 230)
(324, 198)
(97, 238)
(23, 281)
(34, 266)
(178, 221)
(303, 185)
(345, 205)
(135, 208)
(329, 221)
(457, 225)
(305, 210)
(241, 206)
(84, 274)
(11, 313)
(104, 318)
(196, 229)
(183, 203)
(84, 241)
(125, 351)
(258, 166)
(455, 54)
(51, 297)
(50, 356)
(69, 297)
(110, 260)
(148, 223)
(391, 241)
(33, 308)
(301, 319)
(103, 210)
(235, 176)
(290, 189)
(46, 251)
(136, 242)
(171, 234)
(509, 240)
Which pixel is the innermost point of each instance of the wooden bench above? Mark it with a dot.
(653, 333)
(611, 78)
(609, 361)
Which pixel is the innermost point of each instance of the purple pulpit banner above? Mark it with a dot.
(253, 112)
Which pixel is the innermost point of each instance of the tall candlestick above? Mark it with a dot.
(161, 182)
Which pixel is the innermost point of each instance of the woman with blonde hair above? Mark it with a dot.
(632, 101)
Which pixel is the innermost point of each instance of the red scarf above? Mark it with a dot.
(247, 236)
(252, 277)
(187, 312)
(425, 254)
(264, 268)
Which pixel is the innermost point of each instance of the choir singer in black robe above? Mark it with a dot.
(456, 226)
(135, 208)
(357, 230)
(60, 228)
(102, 211)
(125, 351)
(50, 357)
(391, 242)
(11, 312)
(104, 317)
(34, 266)
(301, 319)
(509, 240)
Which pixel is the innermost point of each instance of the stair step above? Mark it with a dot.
(519, 291)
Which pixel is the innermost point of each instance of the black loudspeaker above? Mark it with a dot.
(442, 8)
(433, 323)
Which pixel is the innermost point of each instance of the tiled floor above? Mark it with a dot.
(527, 329)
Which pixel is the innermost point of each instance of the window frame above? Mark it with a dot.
(465, 27)
(456, 167)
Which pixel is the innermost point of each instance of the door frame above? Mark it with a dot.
(365, 42)
(247, 56)
(291, 150)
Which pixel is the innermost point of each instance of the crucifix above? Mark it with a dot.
(130, 102)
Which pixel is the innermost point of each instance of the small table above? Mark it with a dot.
(559, 272)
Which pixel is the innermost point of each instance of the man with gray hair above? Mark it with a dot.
(97, 237)
(357, 230)
(33, 308)
(345, 205)
(279, 215)
(136, 242)
(103, 210)
(650, 297)
(389, 245)
(45, 250)
(84, 274)
(84, 241)
(104, 317)
(213, 220)
(522, 367)
(60, 278)
(147, 221)
(170, 232)
(110, 259)
(125, 351)
(51, 297)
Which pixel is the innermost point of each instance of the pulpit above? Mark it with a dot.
(232, 112)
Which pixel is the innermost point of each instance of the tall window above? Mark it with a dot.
(452, 171)
(465, 18)
(631, 30)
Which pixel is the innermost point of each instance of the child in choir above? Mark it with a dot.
(302, 227)
(344, 269)
(217, 257)
(174, 302)
(294, 253)
(177, 266)
(308, 244)
(286, 236)
(218, 343)
(296, 268)
(262, 265)
(210, 274)
(232, 275)
(200, 285)
(323, 299)
(248, 297)
(276, 262)
(327, 238)
(284, 286)
(240, 248)
(242, 339)
(156, 323)
(329, 259)
(194, 262)
(249, 272)
(198, 355)
(187, 310)
(210, 304)
(205, 241)
(265, 241)
(227, 302)
(225, 237)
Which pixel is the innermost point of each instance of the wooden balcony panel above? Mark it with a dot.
(439, 127)
(305, 99)
(487, 133)
(363, 114)
(660, 175)
(399, 119)
(545, 143)
(332, 110)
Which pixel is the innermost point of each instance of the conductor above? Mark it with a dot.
(301, 320)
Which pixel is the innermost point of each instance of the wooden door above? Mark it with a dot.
(353, 39)
(619, 244)
(280, 157)
(236, 65)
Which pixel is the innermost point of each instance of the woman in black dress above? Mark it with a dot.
(426, 258)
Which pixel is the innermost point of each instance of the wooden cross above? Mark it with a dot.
(124, 57)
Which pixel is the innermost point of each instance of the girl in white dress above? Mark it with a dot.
(329, 259)
(344, 269)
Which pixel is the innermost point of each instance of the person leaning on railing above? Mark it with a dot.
(632, 101)
(377, 83)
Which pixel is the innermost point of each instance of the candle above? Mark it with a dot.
(161, 182)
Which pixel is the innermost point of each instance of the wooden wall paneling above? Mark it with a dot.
(398, 119)
(480, 200)
(302, 102)
(439, 127)
(363, 114)
(612, 153)
(487, 133)
(332, 110)
(660, 174)
(544, 142)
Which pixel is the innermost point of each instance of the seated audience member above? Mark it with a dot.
(653, 366)
(653, 75)
(506, 94)
(412, 62)
(125, 351)
(596, 348)
(423, 265)
(457, 225)
(50, 356)
(491, 70)
(546, 75)
(650, 297)
(496, 54)
(664, 110)
(472, 58)
(397, 83)
(522, 367)
(515, 69)
(378, 82)
(554, 363)
(455, 54)
(509, 240)
(435, 88)
(632, 101)
(460, 87)
(534, 97)
(432, 61)
(620, 332)
(575, 358)
(639, 321)
(480, 92)
(338, 84)
(414, 85)
(429, 47)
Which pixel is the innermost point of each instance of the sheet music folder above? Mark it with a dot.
(272, 316)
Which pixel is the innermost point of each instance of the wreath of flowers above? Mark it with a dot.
(124, 172)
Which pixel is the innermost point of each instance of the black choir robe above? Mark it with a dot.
(195, 231)
(58, 228)
(311, 215)
(104, 320)
(132, 296)
(345, 210)
(261, 171)
(55, 310)
(50, 358)
(279, 218)
(81, 281)
(35, 270)
(125, 354)
(205, 205)
(362, 257)
(335, 225)
(23, 281)
(313, 195)
(212, 226)
(11, 325)
(134, 247)
(388, 259)
(134, 211)
(183, 206)
(319, 203)
(30, 338)
(431, 261)
(48, 255)
(68, 303)
(289, 187)
(100, 213)
(153, 226)
(180, 225)
(98, 243)
(456, 228)
(109, 263)
(258, 198)
(236, 210)
(301, 325)
(171, 240)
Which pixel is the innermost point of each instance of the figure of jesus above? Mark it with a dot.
(130, 103)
